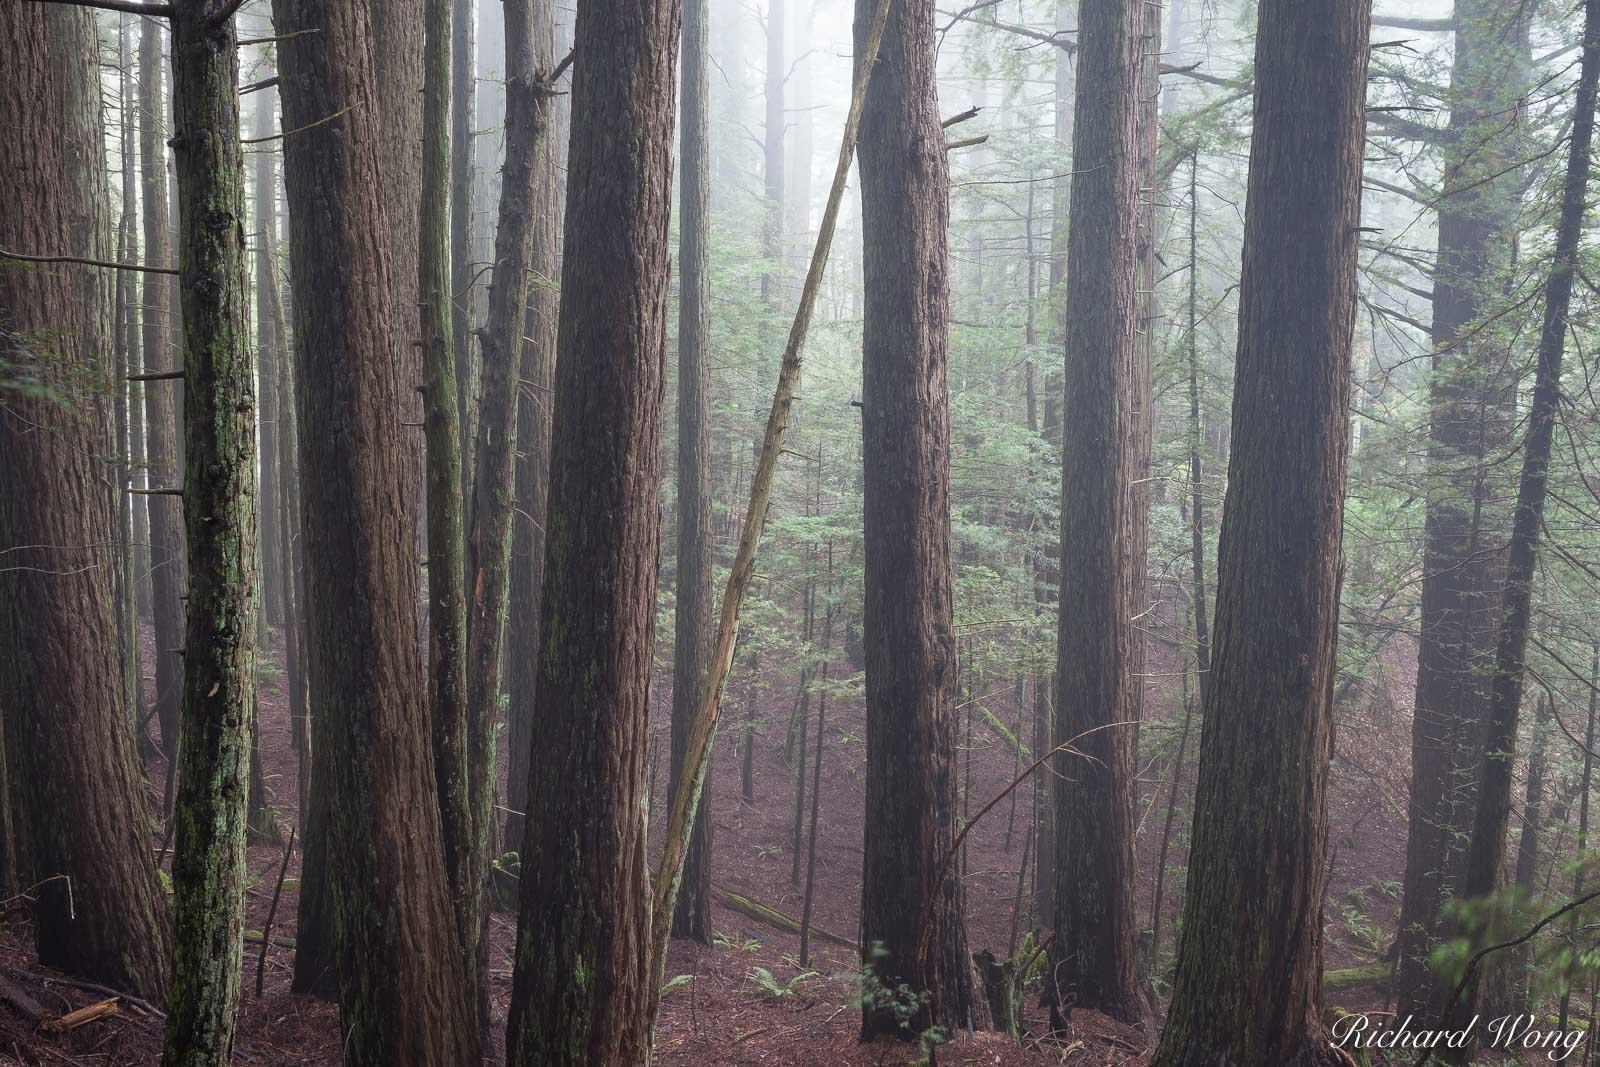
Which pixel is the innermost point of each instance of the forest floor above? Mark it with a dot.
(725, 1011)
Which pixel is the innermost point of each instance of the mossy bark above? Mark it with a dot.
(221, 512)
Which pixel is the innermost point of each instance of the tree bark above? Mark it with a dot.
(463, 109)
(220, 520)
(1093, 954)
(168, 567)
(1249, 977)
(80, 822)
(448, 707)
(583, 982)
(525, 183)
(691, 659)
(265, 166)
(908, 626)
(1486, 850)
(402, 1000)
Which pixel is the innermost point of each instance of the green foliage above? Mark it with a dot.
(773, 988)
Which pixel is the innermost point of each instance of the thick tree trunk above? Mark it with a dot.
(81, 823)
(1093, 955)
(400, 963)
(221, 513)
(583, 983)
(168, 567)
(1248, 984)
(692, 651)
(1470, 400)
(1486, 851)
(908, 628)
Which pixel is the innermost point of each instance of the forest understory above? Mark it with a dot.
(726, 1013)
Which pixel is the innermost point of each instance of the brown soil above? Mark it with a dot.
(722, 1013)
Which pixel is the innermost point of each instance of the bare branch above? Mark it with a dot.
(86, 262)
(155, 11)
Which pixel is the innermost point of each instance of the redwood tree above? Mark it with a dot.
(399, 955)
(1096, 702)
(1249, 973)
(81, 821)
(912, 926)
(583, 980)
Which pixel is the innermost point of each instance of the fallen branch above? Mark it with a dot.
(88, 1014)
(762, 913)
(272, 911)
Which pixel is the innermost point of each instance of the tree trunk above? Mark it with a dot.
(81, 823)
(402, 998)
(524, 183)
(1487, 848)
(220, 512)
(447, 600)
(463, 108)
(532, 470)
(1093, 955)
(273, 580)
(583, 982)
(127, 605)
(691, 658)
(1470, 400)
(1249, 977)
(908, 628)
(168, 568)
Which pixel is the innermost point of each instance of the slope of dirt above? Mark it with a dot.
(746, 999)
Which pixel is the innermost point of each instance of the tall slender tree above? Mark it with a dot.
(220, 523)
(1249, 977)
(264, 193)
(691, 655)
(463, 110)
(447, 600)
(80, 821)
(1095, 925)
(1486, 851)
(402, 999)
(583, 982)
(530, 40)
(1470, 397)
(168, 566)
(908, 624)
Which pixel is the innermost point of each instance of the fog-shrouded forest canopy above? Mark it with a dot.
(799, 532)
